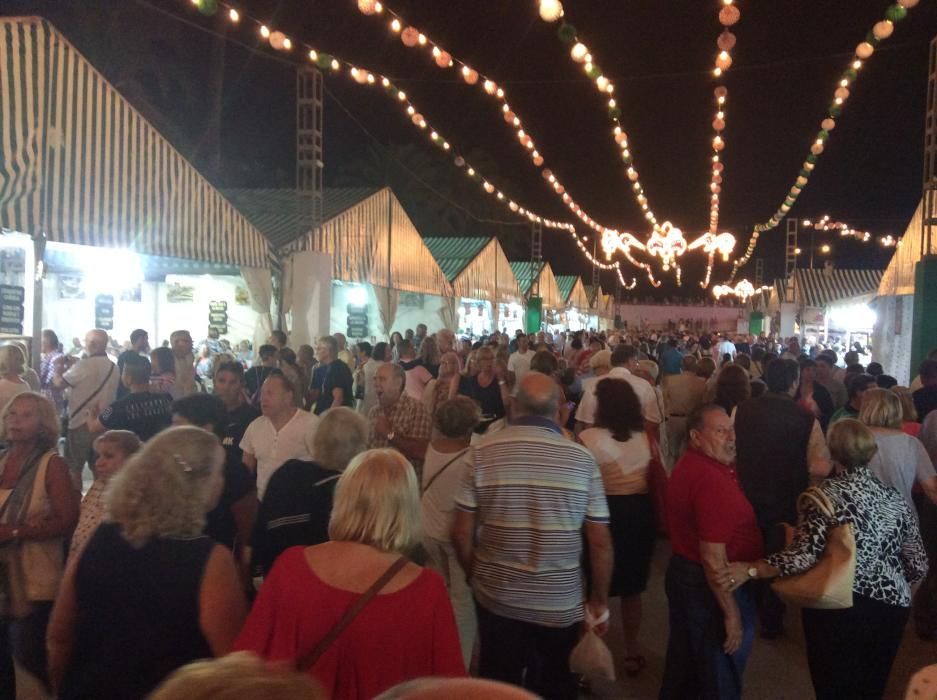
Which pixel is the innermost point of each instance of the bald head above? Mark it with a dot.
(445, 688)
(538, 395)
(96, 342)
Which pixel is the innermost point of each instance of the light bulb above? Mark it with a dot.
(233, 15)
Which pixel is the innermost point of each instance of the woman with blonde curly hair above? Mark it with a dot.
(407, 629)
(38, 508)
(149, 592)
(12, 362)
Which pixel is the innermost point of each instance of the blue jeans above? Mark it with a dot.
(23, 639)
(696, 665)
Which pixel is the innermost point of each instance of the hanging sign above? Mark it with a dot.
(11, 309)
(218, 316)
(104, 312)
(356, 321)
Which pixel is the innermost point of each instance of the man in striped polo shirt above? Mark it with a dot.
(530, 494)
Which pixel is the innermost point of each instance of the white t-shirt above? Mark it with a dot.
(623, 464)
(438, 502)
(86, 377)
(272, 448)
(726, 347)
(519, 364)
(650, 407)
(900, 461)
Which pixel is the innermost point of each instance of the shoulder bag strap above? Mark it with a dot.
(94, 395)
(444, 467)
(307, 662)
(820, 499)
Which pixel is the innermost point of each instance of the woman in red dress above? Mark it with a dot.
(406, 631)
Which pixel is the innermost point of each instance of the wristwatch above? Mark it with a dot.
(390, 436)
(752, 572)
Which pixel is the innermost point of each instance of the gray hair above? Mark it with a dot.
(537, 405)
(340, 435)
(457, 417)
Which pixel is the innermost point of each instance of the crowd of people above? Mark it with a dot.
(433, 506)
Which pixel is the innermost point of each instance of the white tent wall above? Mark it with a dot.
(310, 294)
(891, 337)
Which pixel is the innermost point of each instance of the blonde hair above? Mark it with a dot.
(881, 408)
(909, 412)
(234, 677)
(377, 502)
(49, 424)
(124, 440)
(341, 434)
(851, 443)
(12, 359)
(165, 489)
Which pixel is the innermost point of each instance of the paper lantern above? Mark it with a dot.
(547, 174)
(717, 179)
(729, 15)
(882, 30)
(367, 7)
(864, 50)
(726, 41)
(360, 76)
(559, 188)
(538, 160)
(632, 174)
(828, 124)
(277, 40)
(509, 116)
(842, 93)
(489, 188)
(417, 119)
(578, 52)
(908, 4)
(720, 91)
(718, 144)
(621, 138)
(443, 59)
(816, 149)
(208, 7)
(470, 75)
(719, 124)
(410, 37)
(724, 60)
(459, 162)
(601, 83)
(550, 10)
(490, 87)
(718, 167)
(566, 33)
(896, 13)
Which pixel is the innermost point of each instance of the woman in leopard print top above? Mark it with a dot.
(850, 651)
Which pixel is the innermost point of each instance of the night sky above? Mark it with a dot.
(659, 55)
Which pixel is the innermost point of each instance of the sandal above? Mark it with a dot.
(634, 665)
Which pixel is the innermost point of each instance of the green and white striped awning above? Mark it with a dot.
(81, 165)
(476, 267)
(527, 272)
(573, 292)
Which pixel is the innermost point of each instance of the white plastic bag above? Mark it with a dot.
(591, 656)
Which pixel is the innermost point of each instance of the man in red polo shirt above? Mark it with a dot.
(711, 523)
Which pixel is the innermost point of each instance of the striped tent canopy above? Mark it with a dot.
(477, 268)
(573, 291)
(899, 275)
(81, 165)
(278, 212)
(527, 272)
(821, 288)
(370, 238)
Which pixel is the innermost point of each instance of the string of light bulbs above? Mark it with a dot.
(552, 11)
(281, 42)
(825, 223)
(880, 32)
(413, 37)
(744, 290)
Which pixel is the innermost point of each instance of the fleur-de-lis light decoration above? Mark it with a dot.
(668, 244)
(744, 290)
(712, 243)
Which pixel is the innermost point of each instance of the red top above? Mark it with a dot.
(705, 503)
(398, 636)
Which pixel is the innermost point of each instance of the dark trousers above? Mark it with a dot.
(696, 665)
(23, 639)
(850, 652)
(527, 655)
(770, 607)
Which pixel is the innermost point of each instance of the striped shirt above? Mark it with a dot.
(532, 490)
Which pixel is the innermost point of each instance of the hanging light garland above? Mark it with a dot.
(880, 32)
(845, 230)
(412, 37)
(744, 290)
(552, 11)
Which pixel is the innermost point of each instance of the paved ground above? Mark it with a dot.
(777, 669)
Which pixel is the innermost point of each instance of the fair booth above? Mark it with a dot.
(577, 309)
(538, 277)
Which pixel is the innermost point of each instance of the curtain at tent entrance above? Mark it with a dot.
(387, 299)
(447, 312)
(260, 285)
(495, 315)
(309, 296)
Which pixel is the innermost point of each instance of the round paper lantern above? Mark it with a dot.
(718, 167)
(718, 144)
(550, 10)
(816, 149)
(719, 124)
(559, 188)
(896, 13)
(417, 118)
(717, 179)
(864, 50)
(566, 33)
(908, 4)
(828, 124)
(360, 76)
(470, 75)
(720, 91)
(801, 181)
(567, 199)
(726, 41)
(490, 87)
(614, 113)
(601, 83)
(621, 137)
(729, 15)
(578, 52)
(632, 174)
(367, 7)
(277, 40)
(724, 60)
(538, 160)
(443, 59)
(882, 30)
(547, 174)
(410, 37)
(842, 93)
(593, 71)
(207, 7)
(509, 116)
(459, 162)
(489, 188)
(513, 206)
(715, 188)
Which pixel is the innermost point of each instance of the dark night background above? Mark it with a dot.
(232, 110)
